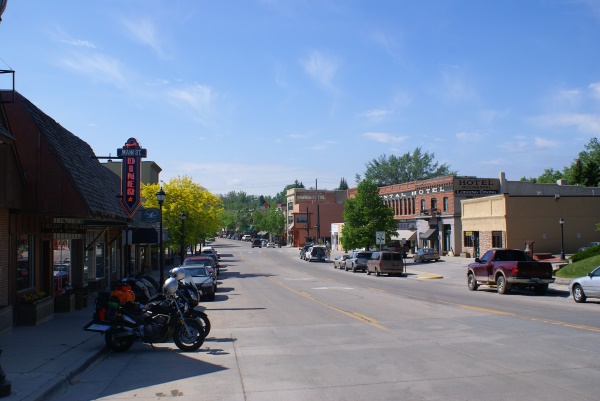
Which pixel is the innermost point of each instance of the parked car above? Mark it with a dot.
(202, 279)
(385, 262)
(303, 250)
(246, 237)
(426, 255)
(270, 244)
(210, 249)
(586, 287)
(316, 253)
(358, 261)
(340, 261)
(205, 261)
(590, 245)
(256, 242)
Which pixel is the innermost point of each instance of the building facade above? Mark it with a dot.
(543, 218)
(310, 214)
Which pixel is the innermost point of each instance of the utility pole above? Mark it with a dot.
(318, 216)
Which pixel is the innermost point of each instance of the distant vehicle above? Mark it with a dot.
(590, 245)
(246, 237)
(586, 287)
(340, 261)
(256, 243)
(358, 261)
(270, 244)
(303, 250)
(426, 255)
(316, 253)
(385, 262)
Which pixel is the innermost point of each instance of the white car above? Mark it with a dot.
(586, 287)
(270, 245)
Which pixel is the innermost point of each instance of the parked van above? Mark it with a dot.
(385, 262)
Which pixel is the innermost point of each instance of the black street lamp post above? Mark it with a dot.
(562, 238)
(183, 217)
(160, 197)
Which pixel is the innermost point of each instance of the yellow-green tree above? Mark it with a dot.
(202, 209)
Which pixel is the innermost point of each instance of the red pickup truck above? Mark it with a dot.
(507, 269)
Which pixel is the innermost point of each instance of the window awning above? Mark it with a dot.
(408, 235)
(429, 234)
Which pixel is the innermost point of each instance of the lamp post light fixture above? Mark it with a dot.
(160, 197)
(183, 216)
(562, 238)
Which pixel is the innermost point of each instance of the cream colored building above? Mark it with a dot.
(526, 212)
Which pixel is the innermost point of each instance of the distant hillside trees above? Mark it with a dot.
(390, 170)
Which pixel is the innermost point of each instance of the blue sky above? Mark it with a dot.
(250, 95)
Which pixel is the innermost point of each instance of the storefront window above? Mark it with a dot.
(25, 262)
(62, 264)
(99, 260)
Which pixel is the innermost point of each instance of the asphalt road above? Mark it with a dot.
(286, 329)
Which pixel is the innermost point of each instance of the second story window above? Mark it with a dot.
(422, 205)
(445, 203)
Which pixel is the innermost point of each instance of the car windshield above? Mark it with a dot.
(196, 271)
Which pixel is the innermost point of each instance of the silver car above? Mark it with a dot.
(586, 287)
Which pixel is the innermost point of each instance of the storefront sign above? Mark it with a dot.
(131, 172)
(63, 228)
(476, 186)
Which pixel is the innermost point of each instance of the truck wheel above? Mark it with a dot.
(377, 272)
(502, 286)
(541, 289)
(578, 294)
(368, 272)
(346, 268)
(471, 282)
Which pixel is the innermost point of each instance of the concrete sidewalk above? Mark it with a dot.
(40, 360)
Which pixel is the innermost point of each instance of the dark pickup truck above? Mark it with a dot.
(507, 269)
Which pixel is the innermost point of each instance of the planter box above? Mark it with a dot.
(34, 314)
(64, 303)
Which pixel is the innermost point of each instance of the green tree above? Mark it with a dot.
(343, 185)
(406, 168)
(585, 170)
(364, 215)
(549, 176)
(202, 208)
(281, 196)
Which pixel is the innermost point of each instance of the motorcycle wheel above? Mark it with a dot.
(203, 320)
(190, 339)
(118, 344)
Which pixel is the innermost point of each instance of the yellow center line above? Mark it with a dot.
(354, 315)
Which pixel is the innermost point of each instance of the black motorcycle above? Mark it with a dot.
(158, 321)
(190, 293)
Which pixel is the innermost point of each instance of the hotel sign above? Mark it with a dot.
(476, 186)
(131, 174)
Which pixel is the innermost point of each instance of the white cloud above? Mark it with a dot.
(384, 138)
(79, 43)
(595, 89)
(144, 31)
(375, 114)
(97, 67)
(468, 136)
(321, 68)
(588, 123)
(200, 98)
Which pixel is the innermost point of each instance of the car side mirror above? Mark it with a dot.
(590, 274)
(477, 260)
